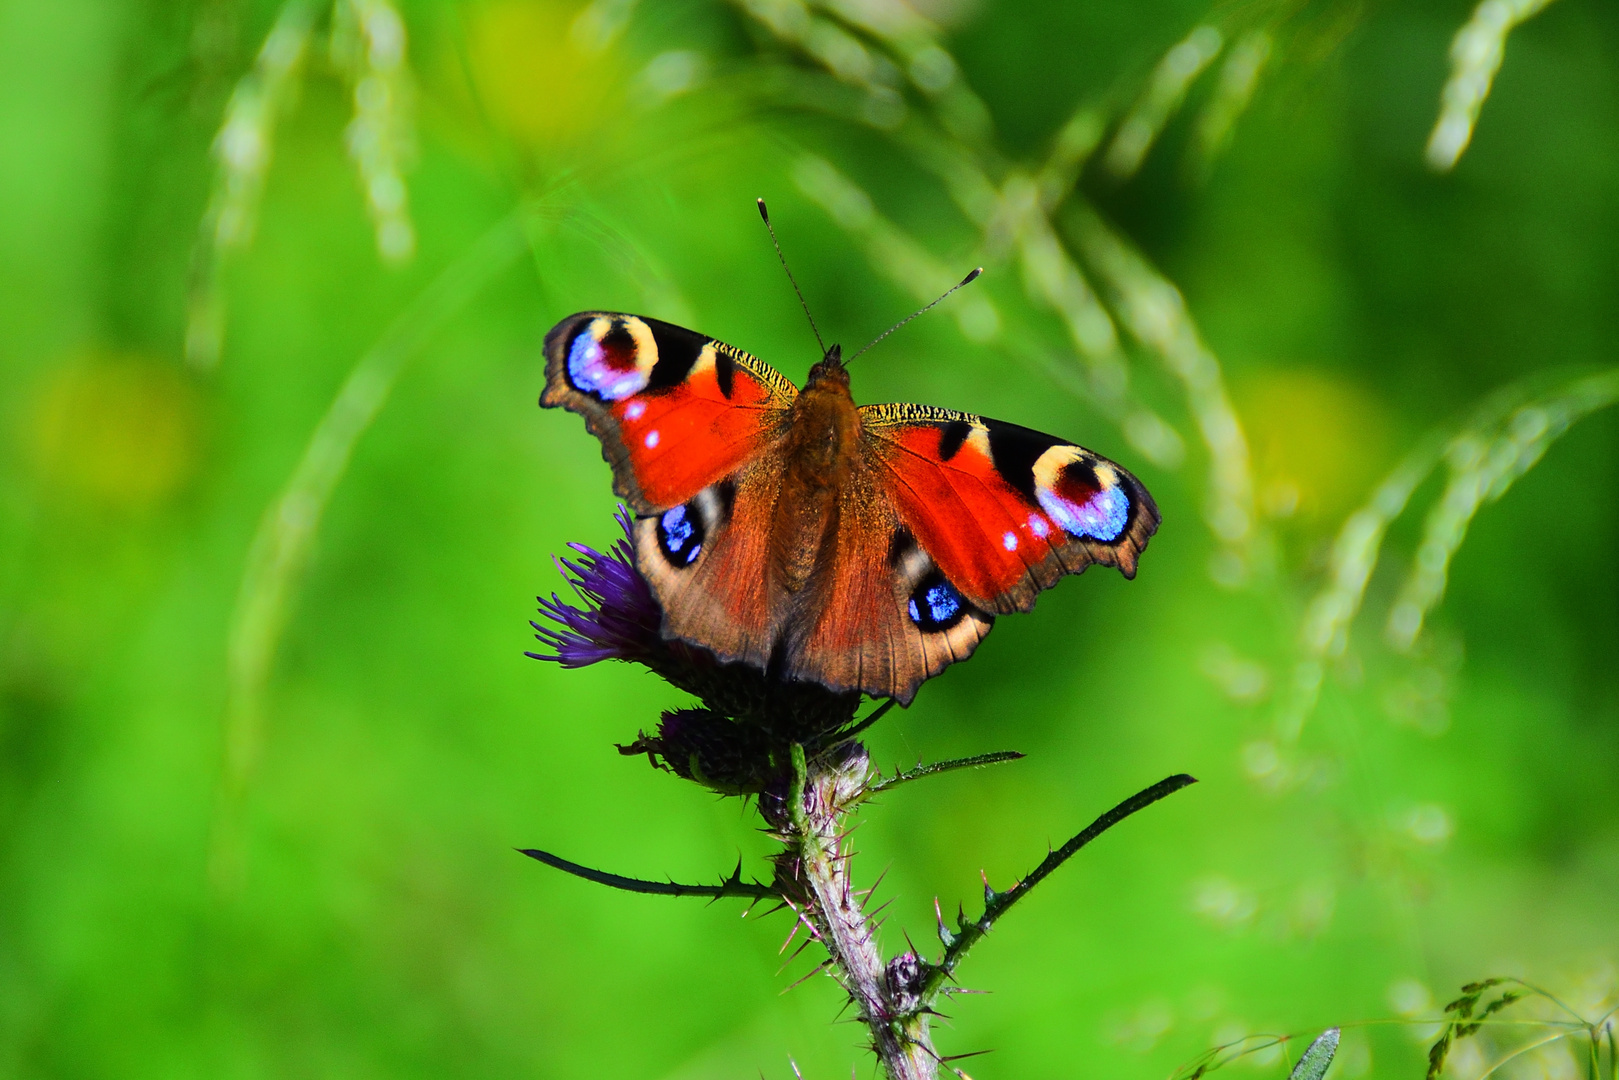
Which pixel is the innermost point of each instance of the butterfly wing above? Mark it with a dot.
(708, 561)
(1005, 511)
(675, 411)
(687, 424)
(882, 618)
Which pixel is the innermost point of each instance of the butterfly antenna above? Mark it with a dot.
(817, 331)
(964, 282)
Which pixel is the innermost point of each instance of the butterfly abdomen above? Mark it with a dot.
(820, 452)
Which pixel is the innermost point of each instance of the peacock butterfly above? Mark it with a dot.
(860, 547)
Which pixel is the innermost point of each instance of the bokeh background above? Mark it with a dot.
(275, 499)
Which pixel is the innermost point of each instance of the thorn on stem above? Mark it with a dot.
(946, 938)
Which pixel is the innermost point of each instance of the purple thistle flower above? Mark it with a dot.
(620, 617)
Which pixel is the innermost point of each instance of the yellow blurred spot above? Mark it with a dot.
(120, 432)
(1427, 823)
(1410, 998)
(1223, 902)
(1319, 443)
(545, 76)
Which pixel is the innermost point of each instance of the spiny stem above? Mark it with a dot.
(901, 1044)
(894, 999)
(976, 762)
(997, 904)
(731, 886)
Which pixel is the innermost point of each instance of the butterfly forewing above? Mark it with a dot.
(1004, 510)
(675, 411)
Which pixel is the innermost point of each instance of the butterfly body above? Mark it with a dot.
(861, 547)
(819, 446)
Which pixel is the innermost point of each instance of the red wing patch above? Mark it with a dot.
(1005, 511)
(675, 411)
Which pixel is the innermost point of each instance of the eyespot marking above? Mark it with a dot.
(724, 498)
(909, 561)
(608, 359)
(1038, 526)
(651, 439)
(1083, 495)
(1102, 516)
(1009, 541)
(635, 410)
(680, 535)
(935, 605)
(1017, 451)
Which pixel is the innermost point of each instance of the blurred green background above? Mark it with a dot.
(275, 499)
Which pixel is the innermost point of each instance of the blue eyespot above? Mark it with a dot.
(680, 534)
(935, 604)
(1103, 516)
(943, 602)
(608, 367)
(676, 527)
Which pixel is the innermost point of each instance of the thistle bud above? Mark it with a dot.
(713, 750)
(906, 973)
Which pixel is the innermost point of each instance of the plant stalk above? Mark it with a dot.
(815, 870)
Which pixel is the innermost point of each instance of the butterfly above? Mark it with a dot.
(860, 547)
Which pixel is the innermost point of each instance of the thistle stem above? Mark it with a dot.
(816, 867)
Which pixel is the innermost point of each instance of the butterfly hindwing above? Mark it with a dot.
(707, 561)
(675, 411)
(877, 616)
(885, 617)
(1004, 510)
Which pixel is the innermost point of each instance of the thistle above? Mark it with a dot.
(793, 746)
(620, 620)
